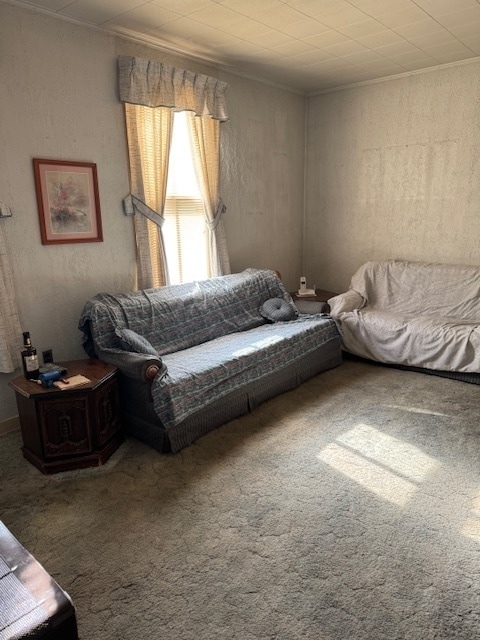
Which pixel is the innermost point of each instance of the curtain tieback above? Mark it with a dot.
(133, 205)
(221, 209)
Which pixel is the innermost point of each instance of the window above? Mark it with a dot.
(197, 246)
(184, 231)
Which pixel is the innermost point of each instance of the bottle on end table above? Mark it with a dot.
(29, 358)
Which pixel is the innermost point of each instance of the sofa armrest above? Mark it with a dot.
(134, 365)
(348, 301)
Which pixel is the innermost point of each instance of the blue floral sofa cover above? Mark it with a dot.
(194, 356)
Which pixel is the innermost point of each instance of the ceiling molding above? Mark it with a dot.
(120, 32)
(397, 76)
(219, 64)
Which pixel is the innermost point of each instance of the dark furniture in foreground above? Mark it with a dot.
(73, 428)
(32, 605)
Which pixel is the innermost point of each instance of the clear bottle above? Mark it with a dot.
(29, 358)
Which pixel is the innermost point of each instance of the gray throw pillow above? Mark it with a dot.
(278, 310)
(133, 341)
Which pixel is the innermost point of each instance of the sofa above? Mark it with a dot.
(419, 315)
(194, 356)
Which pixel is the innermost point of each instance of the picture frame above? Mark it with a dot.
(68, 201)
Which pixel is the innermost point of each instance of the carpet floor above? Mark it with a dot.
(348, 508)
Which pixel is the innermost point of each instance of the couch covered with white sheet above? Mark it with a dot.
(416, 314)
(196, 355)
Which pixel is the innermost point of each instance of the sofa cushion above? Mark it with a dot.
(278, 310)
(426, 341)
(133, 341)
(203, 374)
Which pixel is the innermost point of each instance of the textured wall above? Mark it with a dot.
(59, 100)
(263, 173)
(393, 172)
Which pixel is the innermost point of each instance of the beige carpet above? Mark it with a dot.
(346, 509)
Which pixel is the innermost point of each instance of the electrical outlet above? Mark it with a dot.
(47, 356)
(5, 210)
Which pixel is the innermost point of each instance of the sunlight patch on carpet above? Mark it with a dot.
(471, 526)
(388, 467)
(416, 410)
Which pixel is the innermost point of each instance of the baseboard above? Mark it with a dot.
(12, 424)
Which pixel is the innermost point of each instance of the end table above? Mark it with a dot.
(313, 304)
(71, 428)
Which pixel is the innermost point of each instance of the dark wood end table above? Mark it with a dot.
(313, 304)
(72, 428)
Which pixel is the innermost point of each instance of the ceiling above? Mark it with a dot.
(306, 45)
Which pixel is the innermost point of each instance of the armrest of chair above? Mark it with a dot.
(134, 365)
(348, 301)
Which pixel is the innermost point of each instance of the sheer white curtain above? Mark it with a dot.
(151, 92)
(10, 330)
(205, 137)
(149, 133)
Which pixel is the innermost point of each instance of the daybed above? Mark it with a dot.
(193, 356)
(415, 314)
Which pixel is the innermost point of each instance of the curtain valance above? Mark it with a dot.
(153, 84)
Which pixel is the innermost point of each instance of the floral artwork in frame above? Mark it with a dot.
(68, 202)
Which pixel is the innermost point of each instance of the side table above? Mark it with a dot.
(72, 428)
(313, 304)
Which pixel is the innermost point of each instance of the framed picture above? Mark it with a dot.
(68, 202)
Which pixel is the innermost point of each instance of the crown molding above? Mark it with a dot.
(396, 76)
(187, 55)
(155, 43)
